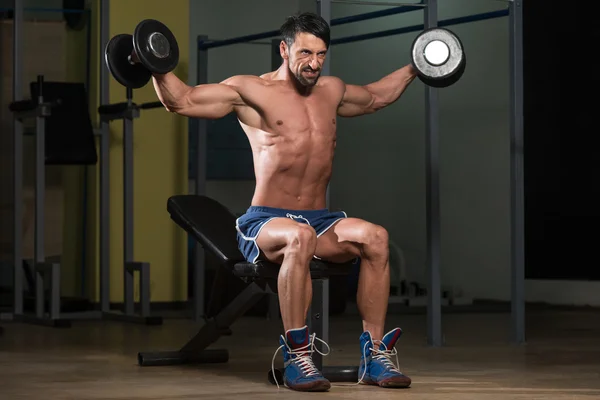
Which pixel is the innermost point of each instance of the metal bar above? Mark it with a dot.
(84, 290)
(200, 187)
(375, 14)
(516, 173)
(128, 208)
(432, 126)
(318, 317)
(325, 13)
(40, 180)
(18, 159)
(216, 327)
(145, 289)
(241, 39)
(377, 3)
(273, 311)
(205, 44)
(324, 9)
(39, 292)
(416, 28)
(104, 283)
(42, 9)
(54, 291)
(275, 54)
(40, 187)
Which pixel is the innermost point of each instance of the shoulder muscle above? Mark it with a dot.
(336, 85)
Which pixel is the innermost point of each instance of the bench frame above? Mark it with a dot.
(262, 281)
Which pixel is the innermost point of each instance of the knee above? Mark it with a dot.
(301, 240)
(376, 241)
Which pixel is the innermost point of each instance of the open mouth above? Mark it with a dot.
(311, 73)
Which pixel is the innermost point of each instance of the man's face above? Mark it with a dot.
(305, 58)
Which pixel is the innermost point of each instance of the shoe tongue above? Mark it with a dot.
(390, 339)
(297, 337)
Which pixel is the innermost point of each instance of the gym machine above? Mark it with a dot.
(61, 114)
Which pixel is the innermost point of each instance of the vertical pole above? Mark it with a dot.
(434, 306)
(18, 159)
(104, 166)
(516, 172)
(318, 316)
(128, 207)
(275, 54)
(324, 10)
(273, 311)
(54, 273)
(40, 179)
(200, 185)
(144, 289)
(321, 287)
(40, 187)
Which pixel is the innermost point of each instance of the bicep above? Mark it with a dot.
(357, 100)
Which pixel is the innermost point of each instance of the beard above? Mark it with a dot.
(308, 81)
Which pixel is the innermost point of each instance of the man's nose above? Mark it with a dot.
(314, 64)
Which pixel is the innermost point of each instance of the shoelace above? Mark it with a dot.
(304, 357)
(382, 355)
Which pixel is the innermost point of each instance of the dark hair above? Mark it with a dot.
(305, 23)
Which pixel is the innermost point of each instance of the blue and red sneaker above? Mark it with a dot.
(299, 371)
(376, 366)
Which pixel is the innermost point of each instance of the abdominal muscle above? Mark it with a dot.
(292, 172)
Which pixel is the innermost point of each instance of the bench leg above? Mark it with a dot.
(318, 322)
(318, 315)
(195, 350)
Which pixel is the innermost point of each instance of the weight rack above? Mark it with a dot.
(128, 111)
(44, 271)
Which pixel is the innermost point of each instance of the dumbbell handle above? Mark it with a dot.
(133, 58)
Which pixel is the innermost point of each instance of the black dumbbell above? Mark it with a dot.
(132, 59)
(439, 57)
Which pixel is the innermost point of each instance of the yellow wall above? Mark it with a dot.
(160, 166)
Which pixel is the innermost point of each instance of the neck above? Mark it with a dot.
(283, 73)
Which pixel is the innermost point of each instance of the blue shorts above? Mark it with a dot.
(249, 225)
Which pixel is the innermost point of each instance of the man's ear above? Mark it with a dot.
(284, 50)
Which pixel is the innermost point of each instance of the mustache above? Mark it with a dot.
(311, 70)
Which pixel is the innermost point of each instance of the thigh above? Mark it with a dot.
(274, 236)
(343, 241)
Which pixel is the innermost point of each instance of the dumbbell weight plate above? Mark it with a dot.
(438, 56)
(117, 53)
(156, 46)
(449, 81)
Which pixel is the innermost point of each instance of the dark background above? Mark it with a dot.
(562, 168)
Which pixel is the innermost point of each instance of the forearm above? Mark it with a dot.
(389, 88)
(171, 90)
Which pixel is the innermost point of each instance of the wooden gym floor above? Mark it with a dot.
(97, 360)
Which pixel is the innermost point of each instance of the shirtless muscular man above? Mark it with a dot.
(289, 116)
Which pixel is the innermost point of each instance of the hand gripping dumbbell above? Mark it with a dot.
(132, 59)
(439, 57)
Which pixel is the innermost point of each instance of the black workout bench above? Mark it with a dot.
(213, 225)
